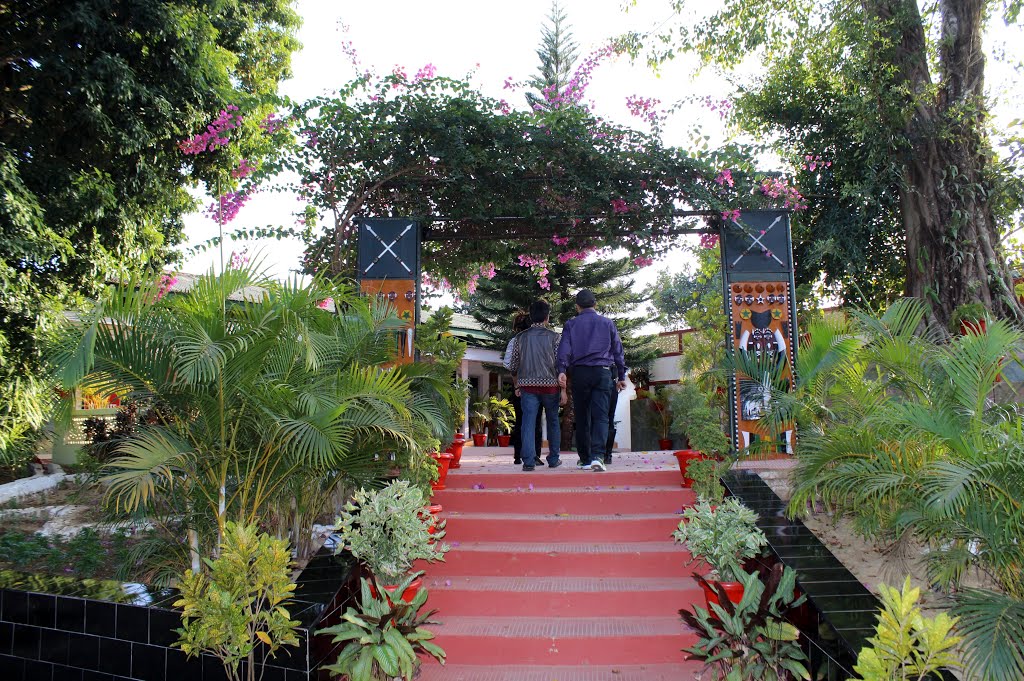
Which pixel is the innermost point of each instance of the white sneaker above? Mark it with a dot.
(582, 466)
(597, 465)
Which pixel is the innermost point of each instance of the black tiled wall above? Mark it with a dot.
(46, 637)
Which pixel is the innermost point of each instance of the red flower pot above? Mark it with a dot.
(455, 449)
(684, 457)
(504, 440)
(665, 444)
(734, 590)
(443, 461)
(479, 439)
(975, 326)
(406, 596)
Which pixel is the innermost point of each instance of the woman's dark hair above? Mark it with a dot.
(521, 322)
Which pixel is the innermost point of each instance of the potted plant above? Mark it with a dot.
(384, 529)
(750, 640)
(663, 415)
(383, 638)
(444, 462)
(455, 449)
(701, 427)
(705, 475)
(502, 418)
(969, 318)
(479, 417)
(641, 379)
(723, 537)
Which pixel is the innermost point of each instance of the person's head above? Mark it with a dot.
(585, 298)
(539, 311)
(521, 322)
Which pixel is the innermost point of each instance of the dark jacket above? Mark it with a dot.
(533, 357)
(591, 340)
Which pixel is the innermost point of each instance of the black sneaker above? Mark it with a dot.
(540, 462)
(555, 464)
(528, 468)
(516, 462)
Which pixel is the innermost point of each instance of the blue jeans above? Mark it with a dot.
(592, 389)
(532, 403)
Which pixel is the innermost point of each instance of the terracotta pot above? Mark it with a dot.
(443, 461)
(665, 444)
(734, 590)
(455, 449)
(479, 439)
(504, 440)
(406, 596)
(684, 457)
(975, 326)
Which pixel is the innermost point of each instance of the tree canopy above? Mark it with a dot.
(94, 97)
(510, 185)
(883, 107)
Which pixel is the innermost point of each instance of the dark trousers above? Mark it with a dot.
(517, 430)
(591, 393)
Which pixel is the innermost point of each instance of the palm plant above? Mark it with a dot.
(909, 434)
(253, 398)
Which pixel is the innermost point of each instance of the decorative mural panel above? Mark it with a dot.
(757, 266)
(761, 326)
(389, 269)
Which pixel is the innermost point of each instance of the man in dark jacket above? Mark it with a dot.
(536, 379)
(592, 350)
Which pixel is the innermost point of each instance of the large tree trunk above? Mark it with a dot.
(953, 254)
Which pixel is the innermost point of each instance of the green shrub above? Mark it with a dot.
(906, 645)
(240, 603)
(386, 530)
(383, 637)
(723, 537)
(706, 476)
(749, 640)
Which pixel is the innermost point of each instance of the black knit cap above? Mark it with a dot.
(586, 298)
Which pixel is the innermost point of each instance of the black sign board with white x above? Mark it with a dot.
(389, 248)
(757, 243)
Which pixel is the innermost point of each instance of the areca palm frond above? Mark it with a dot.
(150, 460)
(992, 625)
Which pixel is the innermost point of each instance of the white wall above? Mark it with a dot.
(665, 369)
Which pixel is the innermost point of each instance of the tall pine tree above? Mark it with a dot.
(557, 54)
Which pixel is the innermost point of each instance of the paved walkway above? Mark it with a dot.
(562, 575)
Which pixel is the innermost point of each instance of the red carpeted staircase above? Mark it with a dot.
(573, 579)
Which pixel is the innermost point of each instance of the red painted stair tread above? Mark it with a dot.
(576, 579)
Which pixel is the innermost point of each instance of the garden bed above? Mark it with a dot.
(64, 532)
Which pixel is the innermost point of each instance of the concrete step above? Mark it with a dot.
(584, 560)
(561, 596)
(526, 527)
(543, 501)
(476, 640)
(685, 671)
(565, 476)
